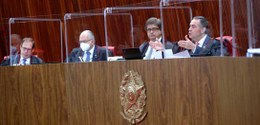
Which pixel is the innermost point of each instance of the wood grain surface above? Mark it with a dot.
(195, 91)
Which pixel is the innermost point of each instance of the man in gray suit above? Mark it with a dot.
(88, 51)
(155, 43)
(25, 57)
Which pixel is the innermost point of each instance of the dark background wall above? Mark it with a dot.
(46, 34)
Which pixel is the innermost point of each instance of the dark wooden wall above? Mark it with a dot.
(47, 34)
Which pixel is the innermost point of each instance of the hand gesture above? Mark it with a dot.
(187, 43)
(157, 45)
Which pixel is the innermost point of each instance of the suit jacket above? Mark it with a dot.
(98, 55)
(16, 59)
(168, 45)
(210, 47)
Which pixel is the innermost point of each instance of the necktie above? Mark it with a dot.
(24, 62)
(88, 56)
(197, 43)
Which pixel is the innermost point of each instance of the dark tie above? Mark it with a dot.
(24, 62)
(88, 56)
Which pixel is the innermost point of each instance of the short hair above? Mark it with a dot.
(89, 33)
(29, 40)
(204, 23)
(16, 37)
(153, 21)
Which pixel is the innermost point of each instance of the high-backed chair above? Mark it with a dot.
(111, 48)
(227, 41)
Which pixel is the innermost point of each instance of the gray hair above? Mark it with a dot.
(204, 23)
(153, 21)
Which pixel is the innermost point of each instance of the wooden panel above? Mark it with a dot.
(32, 96)
(199, 91)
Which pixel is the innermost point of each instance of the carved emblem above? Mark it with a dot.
(132, 96)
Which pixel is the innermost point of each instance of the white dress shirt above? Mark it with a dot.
(28, 61)
(152, 53)
(201, 42)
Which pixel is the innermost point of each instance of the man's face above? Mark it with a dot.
(86, 39)
(153, 32)
(196, 31)
(26, 49)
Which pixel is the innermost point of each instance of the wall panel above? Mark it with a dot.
(57, 9)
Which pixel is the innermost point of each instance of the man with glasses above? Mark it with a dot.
(25, 57)
(88, 51)
(150, 49)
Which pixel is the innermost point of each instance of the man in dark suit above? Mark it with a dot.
(155, 44)
(88, 51)
(25, 57)
(198, 41)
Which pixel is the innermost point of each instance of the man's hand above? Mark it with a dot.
(187, 43)
(157, 45)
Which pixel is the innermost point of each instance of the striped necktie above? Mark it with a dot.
(24, 61)
(88, 56)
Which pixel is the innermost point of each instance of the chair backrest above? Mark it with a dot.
(6, 57)
(227, 41)
(111, 48)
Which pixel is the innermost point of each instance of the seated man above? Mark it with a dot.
(199, 41)
(25, 57)
(88, 51)
(15, 43)
(154, 33)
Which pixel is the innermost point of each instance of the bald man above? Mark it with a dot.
(88, 51)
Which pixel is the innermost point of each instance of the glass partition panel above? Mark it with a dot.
(76, 23)
(238, 21)
(210, 15)
(38, 30)
(253, 17)
(132, 32)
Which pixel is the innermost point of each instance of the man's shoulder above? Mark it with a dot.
(76, 49)
(12, 57)
(36, 60)
(103, 50)
(212, 41)
(168, 44)
(208, 38)
(144, 45)
(5, 62)
(99, 48)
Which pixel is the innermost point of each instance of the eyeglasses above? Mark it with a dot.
(26, 49)
(152, 29)
(85, 41)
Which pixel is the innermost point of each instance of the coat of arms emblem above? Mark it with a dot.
(132, 96)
